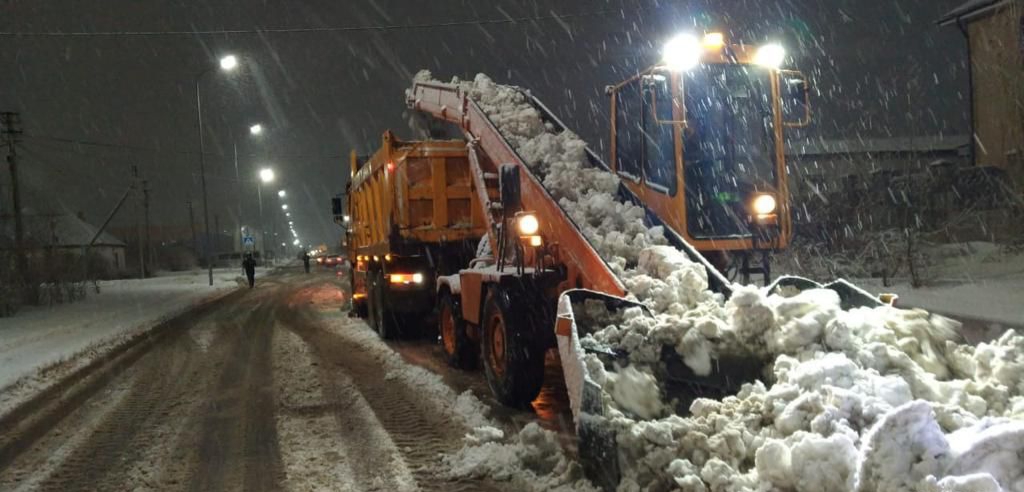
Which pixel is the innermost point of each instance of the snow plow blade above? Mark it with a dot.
(598, 449)
(850, 296)
(597, 439)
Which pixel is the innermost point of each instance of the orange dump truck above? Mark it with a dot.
(413, 216)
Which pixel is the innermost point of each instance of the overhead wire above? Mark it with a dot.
(93, 143)
(303, 30)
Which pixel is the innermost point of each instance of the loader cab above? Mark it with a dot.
(700, 140)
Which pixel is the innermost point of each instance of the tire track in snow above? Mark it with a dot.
(369, 397)
(307, 427)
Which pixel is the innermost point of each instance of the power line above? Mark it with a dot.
(305, 30)
(92, 143)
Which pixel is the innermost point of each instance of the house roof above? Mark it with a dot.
(66, 230)
(970, 10)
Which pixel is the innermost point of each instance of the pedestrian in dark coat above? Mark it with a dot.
(305, 260)
(249, 265)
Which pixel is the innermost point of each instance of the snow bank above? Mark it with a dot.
(866, 399)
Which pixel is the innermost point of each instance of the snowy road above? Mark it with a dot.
(270, 389)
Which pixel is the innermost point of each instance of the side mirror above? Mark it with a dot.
(508, 183)
(795, 91)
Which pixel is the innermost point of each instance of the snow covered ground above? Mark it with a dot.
(40, 337)
(973, 280)
(866, 399)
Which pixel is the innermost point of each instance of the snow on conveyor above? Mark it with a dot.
(870, 399)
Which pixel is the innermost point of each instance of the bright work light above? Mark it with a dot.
(770, 55)
(764, 204)
(528, 224)
(682, 52)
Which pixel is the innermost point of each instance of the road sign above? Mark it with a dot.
(248, 241)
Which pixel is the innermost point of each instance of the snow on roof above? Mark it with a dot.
(66, 230)
(969, 10)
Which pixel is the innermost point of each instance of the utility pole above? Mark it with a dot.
(145, 208)
(192, 225)
(238, 196)
(138, 223)
(11, 131)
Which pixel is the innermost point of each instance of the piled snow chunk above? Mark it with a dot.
(534, 460)
(636, 392)
(853, 400)
(906, 446)
(587, 194)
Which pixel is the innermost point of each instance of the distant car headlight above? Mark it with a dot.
(764, 204)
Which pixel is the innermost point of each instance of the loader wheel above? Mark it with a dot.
(513, 364)
(459, 350)
(386, 323)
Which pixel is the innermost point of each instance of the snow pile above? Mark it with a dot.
(869, 399)
(532, 460)
(835, 417)
(587, 194)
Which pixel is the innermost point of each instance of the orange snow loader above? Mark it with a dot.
(412, 215)
(698, 142)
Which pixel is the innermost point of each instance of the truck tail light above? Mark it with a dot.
(406, 278)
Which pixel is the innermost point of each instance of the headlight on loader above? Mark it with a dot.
(527, 224)
(764, 204)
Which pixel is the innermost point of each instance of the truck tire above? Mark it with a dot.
(460, 352)
(387, 327)
(513, 363)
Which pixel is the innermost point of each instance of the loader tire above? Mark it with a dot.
(513, 363)
(459, 350)
(387, 324)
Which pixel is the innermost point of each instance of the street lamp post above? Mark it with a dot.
(227, 63)
(254, 130)
(266, 176)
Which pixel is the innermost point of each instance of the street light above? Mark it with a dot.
(255, 130)
(281, 194)
(284, 206)
(227, 64)
(266, 174)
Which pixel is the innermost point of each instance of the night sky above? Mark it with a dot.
(880, 68)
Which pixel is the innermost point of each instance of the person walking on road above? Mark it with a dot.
(249, 265)
(305, 260)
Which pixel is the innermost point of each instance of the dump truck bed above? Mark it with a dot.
(411, 193)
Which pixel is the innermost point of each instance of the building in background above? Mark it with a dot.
(994, 30)
(60, 240)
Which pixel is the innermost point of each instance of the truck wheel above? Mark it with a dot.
(514, 366)
(459, 350)
(386, 325)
